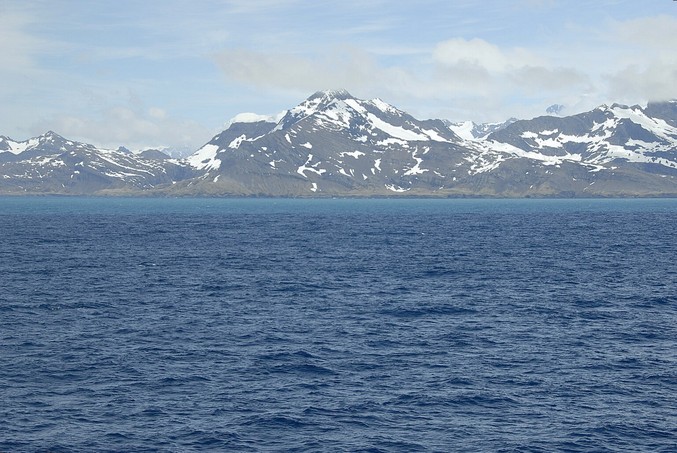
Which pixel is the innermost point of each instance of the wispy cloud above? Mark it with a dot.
(648, 67)
(455, 69)
(127, 125)
(631, 60)
(488, 56)
(19, 45)
(338, 67)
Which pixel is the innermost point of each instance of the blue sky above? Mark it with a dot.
(173, 72)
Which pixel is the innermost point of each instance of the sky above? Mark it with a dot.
(172, 73)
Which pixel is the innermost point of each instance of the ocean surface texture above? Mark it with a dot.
(337, 325)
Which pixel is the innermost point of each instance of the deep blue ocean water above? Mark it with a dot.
(337, 325)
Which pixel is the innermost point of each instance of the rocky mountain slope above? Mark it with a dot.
(51, 164)
(333, 144)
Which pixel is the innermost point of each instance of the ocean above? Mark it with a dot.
(337, 325)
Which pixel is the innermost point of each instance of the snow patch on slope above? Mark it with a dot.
(237, 142)
(312, 168)
(464, 130)
(205, 158)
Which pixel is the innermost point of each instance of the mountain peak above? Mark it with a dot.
(320, 100)
(339, 94)
(52, 136)
(616, 105)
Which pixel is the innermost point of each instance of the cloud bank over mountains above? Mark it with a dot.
(627, 61)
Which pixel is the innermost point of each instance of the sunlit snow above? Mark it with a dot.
(353, 154)
(305, 167)
(237, 142)
(205, 158)
(395, 188)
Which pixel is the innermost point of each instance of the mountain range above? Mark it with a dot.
(333, 144)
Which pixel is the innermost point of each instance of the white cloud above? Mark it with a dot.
(533, 79)
(18, 47)
(647, 65)
(479, 70)
(480, 53)
(130, 126)
(346, 67)
(656, 34)
(455, 71)
(629, 61)
(157, 113)
(652, 82)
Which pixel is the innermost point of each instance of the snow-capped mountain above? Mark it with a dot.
(53, 164)
(604, 135)
(333, 144)
(611, 150)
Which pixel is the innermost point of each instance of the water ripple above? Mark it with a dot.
(345, 325)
